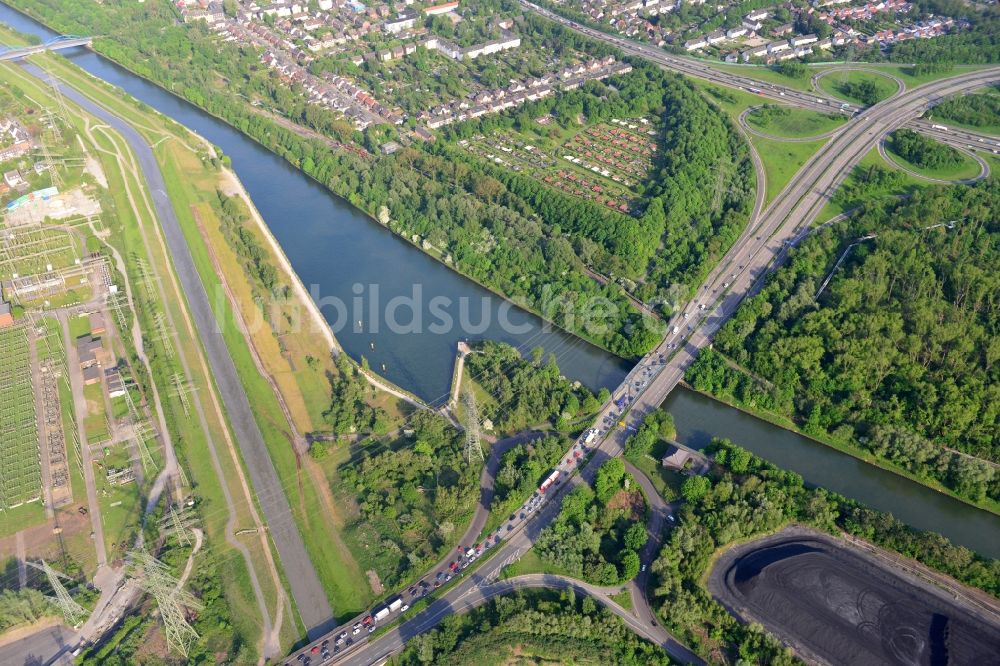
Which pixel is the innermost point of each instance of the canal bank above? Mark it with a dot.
(344, 258)
(853, 451)
(699, 419)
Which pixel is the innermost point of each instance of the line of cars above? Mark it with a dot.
(465, 557)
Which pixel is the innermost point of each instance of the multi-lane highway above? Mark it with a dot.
(737, 276)
(816, 100)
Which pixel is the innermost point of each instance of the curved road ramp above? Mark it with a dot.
(837, 604)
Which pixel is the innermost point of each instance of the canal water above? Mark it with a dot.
(700, 418)
(338, 252)
(334, 246)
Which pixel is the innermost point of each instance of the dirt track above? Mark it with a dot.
(835, 604)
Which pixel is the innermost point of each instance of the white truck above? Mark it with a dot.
(395, 604)
(590, 436)
(380, 613)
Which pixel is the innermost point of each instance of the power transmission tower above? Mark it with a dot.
(71, 611)
(171, 599)
(178, 524)
(473, 449)
(50, 163)
(143, 435)
(162, 334)
(181, 389)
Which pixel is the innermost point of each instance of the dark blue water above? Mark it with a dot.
(334, 246)
(338, 251)
(699, 419)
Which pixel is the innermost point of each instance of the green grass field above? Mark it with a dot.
(833, 84)
(794, 123)
(782, 160)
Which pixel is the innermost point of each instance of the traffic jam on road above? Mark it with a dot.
(324, 652)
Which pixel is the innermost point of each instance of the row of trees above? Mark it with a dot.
(899, 355)
(538, 627)
(598, 534)
(746, 496)
(256, 262)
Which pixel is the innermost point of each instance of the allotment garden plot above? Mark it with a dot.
(607, 163)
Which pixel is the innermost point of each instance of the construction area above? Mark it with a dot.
(837, 604)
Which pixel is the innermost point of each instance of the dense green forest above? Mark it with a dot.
(599, 533)
(528, 392)
(899, 354)
(514, 236)
(977, 110)
(414, 495)
(746, 496)
(535, 627)
(922, 151)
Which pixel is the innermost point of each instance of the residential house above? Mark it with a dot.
(695, 44)
(716, 37)
(13, 179)
(404, 21)
(443, 8)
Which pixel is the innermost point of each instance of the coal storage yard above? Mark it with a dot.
(839, 605)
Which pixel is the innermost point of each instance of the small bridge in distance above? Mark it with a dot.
(61, 42)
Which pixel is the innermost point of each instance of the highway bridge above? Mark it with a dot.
(762, 247)
(61, 42)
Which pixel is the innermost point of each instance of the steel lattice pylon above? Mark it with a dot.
(71, 611)
(171, 599)
(473, 448)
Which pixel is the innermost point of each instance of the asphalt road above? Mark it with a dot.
(472, 587)
(762, 246)
(476, 592)
(38, 648)
(310, 599)
(815, 100)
